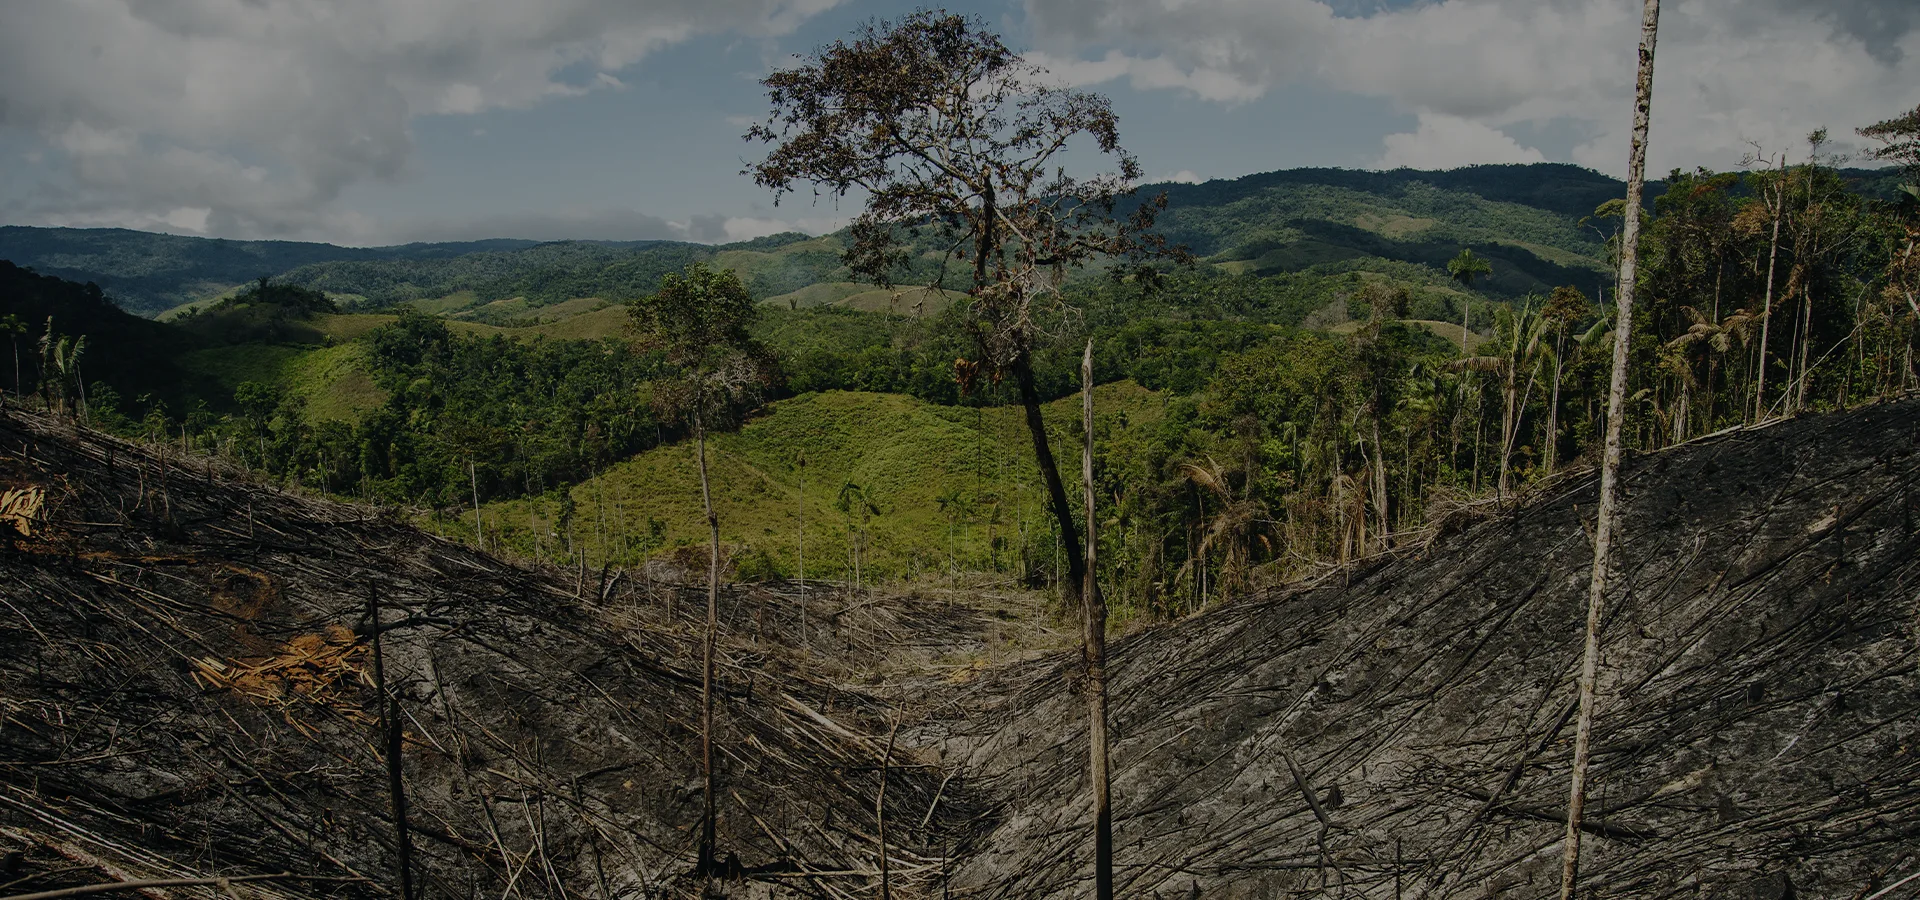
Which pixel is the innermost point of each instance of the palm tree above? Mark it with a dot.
(1520, 336)
(1704, 341)
(60, 384)
(1464, 269)
(1239, 525)
(856, 503)
(1565, 307)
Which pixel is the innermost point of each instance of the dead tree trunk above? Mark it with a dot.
(1553, 407)
(880, 813)
(1380, 500)
(1610, 463)
(392, 746)
(707, 861)
(1096, 658)
(479, 535)
(801, 534)
(1766, 309)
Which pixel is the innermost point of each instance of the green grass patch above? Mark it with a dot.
(351, 326)
(231, 365)
(902, 301)
(335, 383)
(448, 305)
(1393, 225)
(825, 293)
(950, 484)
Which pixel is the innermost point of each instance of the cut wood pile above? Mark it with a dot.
(187, 692)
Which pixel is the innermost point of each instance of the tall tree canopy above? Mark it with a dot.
(959, 147)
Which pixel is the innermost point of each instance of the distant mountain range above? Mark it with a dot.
(149, 273)
(1525, 219)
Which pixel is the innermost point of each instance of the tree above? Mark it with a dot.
(960, 147)
(1777, 206)
(855, 502)
(1899, 139)
(1095, 654)
(1610, 459)
(14, 328)
(700, 318)
(1565, 307)
(61, 387)
(1464, 269)
(1519, 350)
(1374, 365)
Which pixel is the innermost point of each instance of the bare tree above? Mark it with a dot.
(1096, 657)
(1610, 461)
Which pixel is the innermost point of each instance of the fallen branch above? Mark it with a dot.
(174, 882)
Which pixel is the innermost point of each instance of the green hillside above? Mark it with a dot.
(151, 273)
(944, 480)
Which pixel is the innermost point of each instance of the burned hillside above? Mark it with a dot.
(1404, 729)
(186, 691)
(186, 688)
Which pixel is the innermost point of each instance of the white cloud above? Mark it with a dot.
(718, 229)
(1727, 71)
(263, 111)
(746, 228)
(563, 225)
(1184, 176)
(1449, 142)
(1151, 73)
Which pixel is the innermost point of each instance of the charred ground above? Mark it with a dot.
(185, 691)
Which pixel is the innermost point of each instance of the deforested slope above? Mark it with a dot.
(1759, 733)
(186, 691)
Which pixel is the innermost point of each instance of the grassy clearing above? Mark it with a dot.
(950, 484)
(229, 366)
(1558, 256)
(610, 321)
(335, 384)
(826, 293)
(1393, 225)
(902, 301)
(332, 381)
(448, 305)
(1449, 330)
(351, 326)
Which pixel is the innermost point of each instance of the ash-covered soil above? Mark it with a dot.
(1758, 733)
(186, 691)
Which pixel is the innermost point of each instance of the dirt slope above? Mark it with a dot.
(185, 690)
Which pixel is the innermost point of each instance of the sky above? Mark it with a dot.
(369, 122)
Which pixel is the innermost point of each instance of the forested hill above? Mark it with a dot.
(1534, 223)
(1526, 218)
(149, 273)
